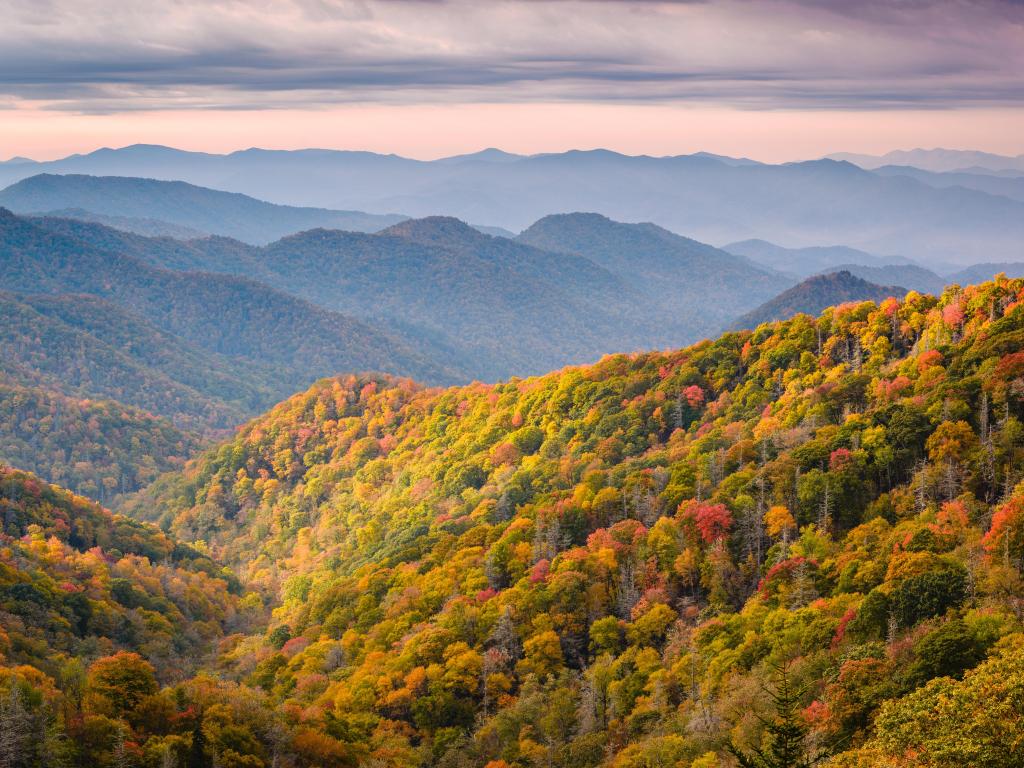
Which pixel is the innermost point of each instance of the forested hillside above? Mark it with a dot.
(815, 294)
(98, 611)
(83, 346)
(569, 290)
(96, 448)
(221, 314)
(502, 307)
(804, 539)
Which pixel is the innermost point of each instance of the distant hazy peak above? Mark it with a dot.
(489, 155)
(444, 231)
(938, 159)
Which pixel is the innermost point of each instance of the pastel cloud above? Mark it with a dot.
(88, 56)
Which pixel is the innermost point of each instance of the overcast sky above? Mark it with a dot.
(771, 79)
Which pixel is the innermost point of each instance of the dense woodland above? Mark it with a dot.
(791, 546)
(96, 448)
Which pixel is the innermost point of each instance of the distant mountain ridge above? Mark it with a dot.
(696, 283)
(978, 273)
(202, 210)
(910, 276)
(936, 160)
(1010, 186)
(712, 199)
(804, 262)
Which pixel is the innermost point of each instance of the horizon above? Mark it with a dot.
(225, 152)
(779, 80)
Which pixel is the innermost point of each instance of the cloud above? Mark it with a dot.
(107, 56)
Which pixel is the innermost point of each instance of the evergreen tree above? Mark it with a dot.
(197, 757)
(784, 744)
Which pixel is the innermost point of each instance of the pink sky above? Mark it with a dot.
(770, 79)
(430, 131)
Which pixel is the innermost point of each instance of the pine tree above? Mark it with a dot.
(785, 740)
(197, 753)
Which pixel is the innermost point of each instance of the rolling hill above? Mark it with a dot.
(198, 209)
(221, 314)
(911, 276)
(815, 294)
(697, 288)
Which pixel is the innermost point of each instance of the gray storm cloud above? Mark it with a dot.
(91, 56)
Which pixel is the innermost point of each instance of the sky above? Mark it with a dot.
(769, 79)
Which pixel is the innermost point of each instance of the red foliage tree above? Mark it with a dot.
(712, 521)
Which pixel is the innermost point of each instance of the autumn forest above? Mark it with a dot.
(511, 384)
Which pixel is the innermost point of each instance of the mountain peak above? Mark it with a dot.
(488, 155)
(444, 231)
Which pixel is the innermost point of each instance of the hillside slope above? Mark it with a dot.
(221, 314)
(815, 294)
(207, 211)
(491, 306)
(95, 448)
(697, 288)
(810, 531)
(77, 582)
(104, 622)
(84, 346)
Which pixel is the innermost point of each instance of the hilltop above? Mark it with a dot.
(815, 294)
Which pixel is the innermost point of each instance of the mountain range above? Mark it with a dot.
(804, 262)
(479, 306)
(712, 199)
(937, 160)
(247, 322)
